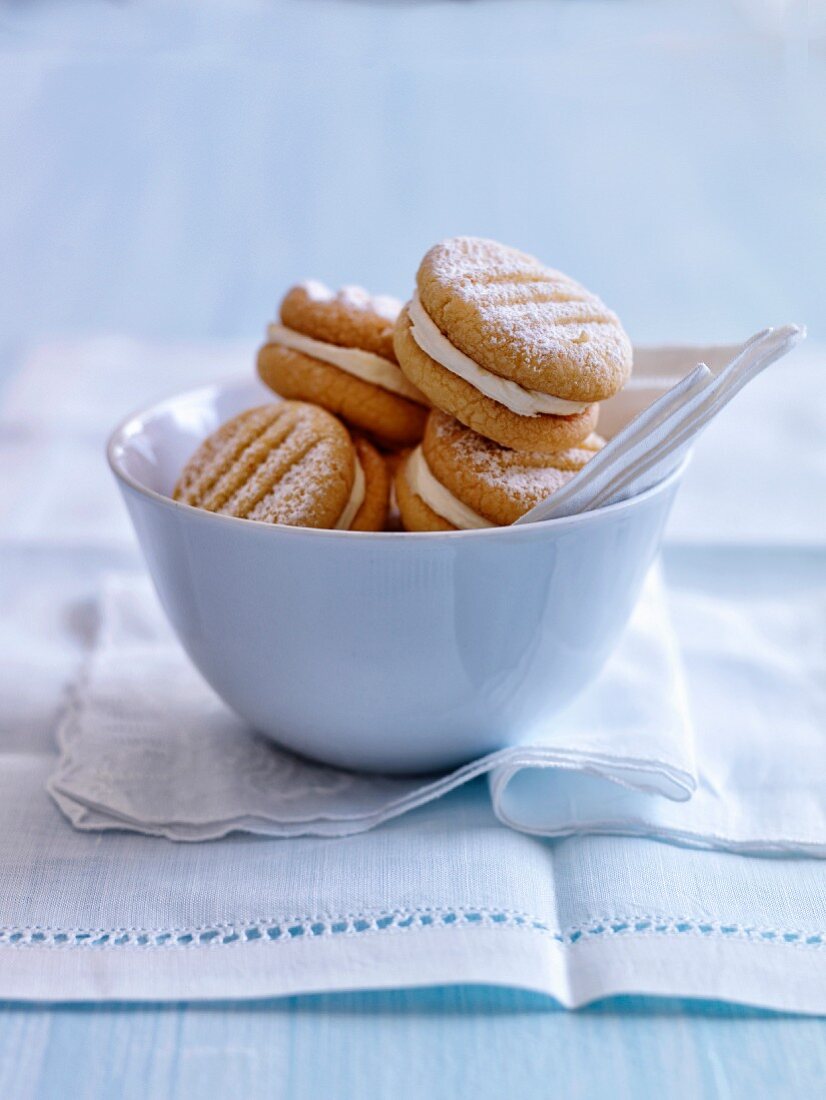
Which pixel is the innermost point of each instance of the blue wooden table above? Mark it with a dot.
(431, 1043)
(173, 168)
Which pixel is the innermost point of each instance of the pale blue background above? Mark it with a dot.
(167, 169)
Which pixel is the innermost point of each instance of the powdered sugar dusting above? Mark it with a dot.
(293, 499)
(281, 463)
(354, 297)
(386, 306)
(317, 291)
(519, 312)
(524, 477)
(358, 298)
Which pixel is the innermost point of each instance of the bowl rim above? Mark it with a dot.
(117, 439)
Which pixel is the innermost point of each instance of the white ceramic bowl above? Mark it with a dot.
(384, 652)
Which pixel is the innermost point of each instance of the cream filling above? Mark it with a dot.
(355, 502)
(420, 478)
(518, 399)
(362, 364)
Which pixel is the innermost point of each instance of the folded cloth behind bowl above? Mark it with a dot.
(650, 447)
(147, 746)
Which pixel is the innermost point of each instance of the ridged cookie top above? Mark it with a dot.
(524, 321)
(498, 483)
(349, 317)
(288, 463)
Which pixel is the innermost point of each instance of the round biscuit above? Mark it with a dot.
(454, 395)
(372, 515)
(287, 462)
(523, 321)
(496, 482)
(394, 459)
(350, 317)
(415, 514)
(388, 417)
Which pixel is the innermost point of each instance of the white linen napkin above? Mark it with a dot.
(147, 746)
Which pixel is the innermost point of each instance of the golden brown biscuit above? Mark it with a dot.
(287, 462)
(509, 346)
(524, 321)
(391, 419)
(350, 318)
(337, 350)
(394, 461)
(458, 479)
(415, 515)
(458, 397)
(372, 516)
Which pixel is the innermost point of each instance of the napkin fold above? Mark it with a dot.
(146, 746)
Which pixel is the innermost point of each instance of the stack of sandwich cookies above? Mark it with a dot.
(459, 480)
(516, 351)
(290, 463)
(336, 350)
(498, 361)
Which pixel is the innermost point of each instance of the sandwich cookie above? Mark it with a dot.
(336, 350)
(373, 513)
(511, 348)
(459, 480)
(393, 461)
(288, 463)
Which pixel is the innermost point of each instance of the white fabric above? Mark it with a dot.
(444, 893)
(147, 746)
(654, 444)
